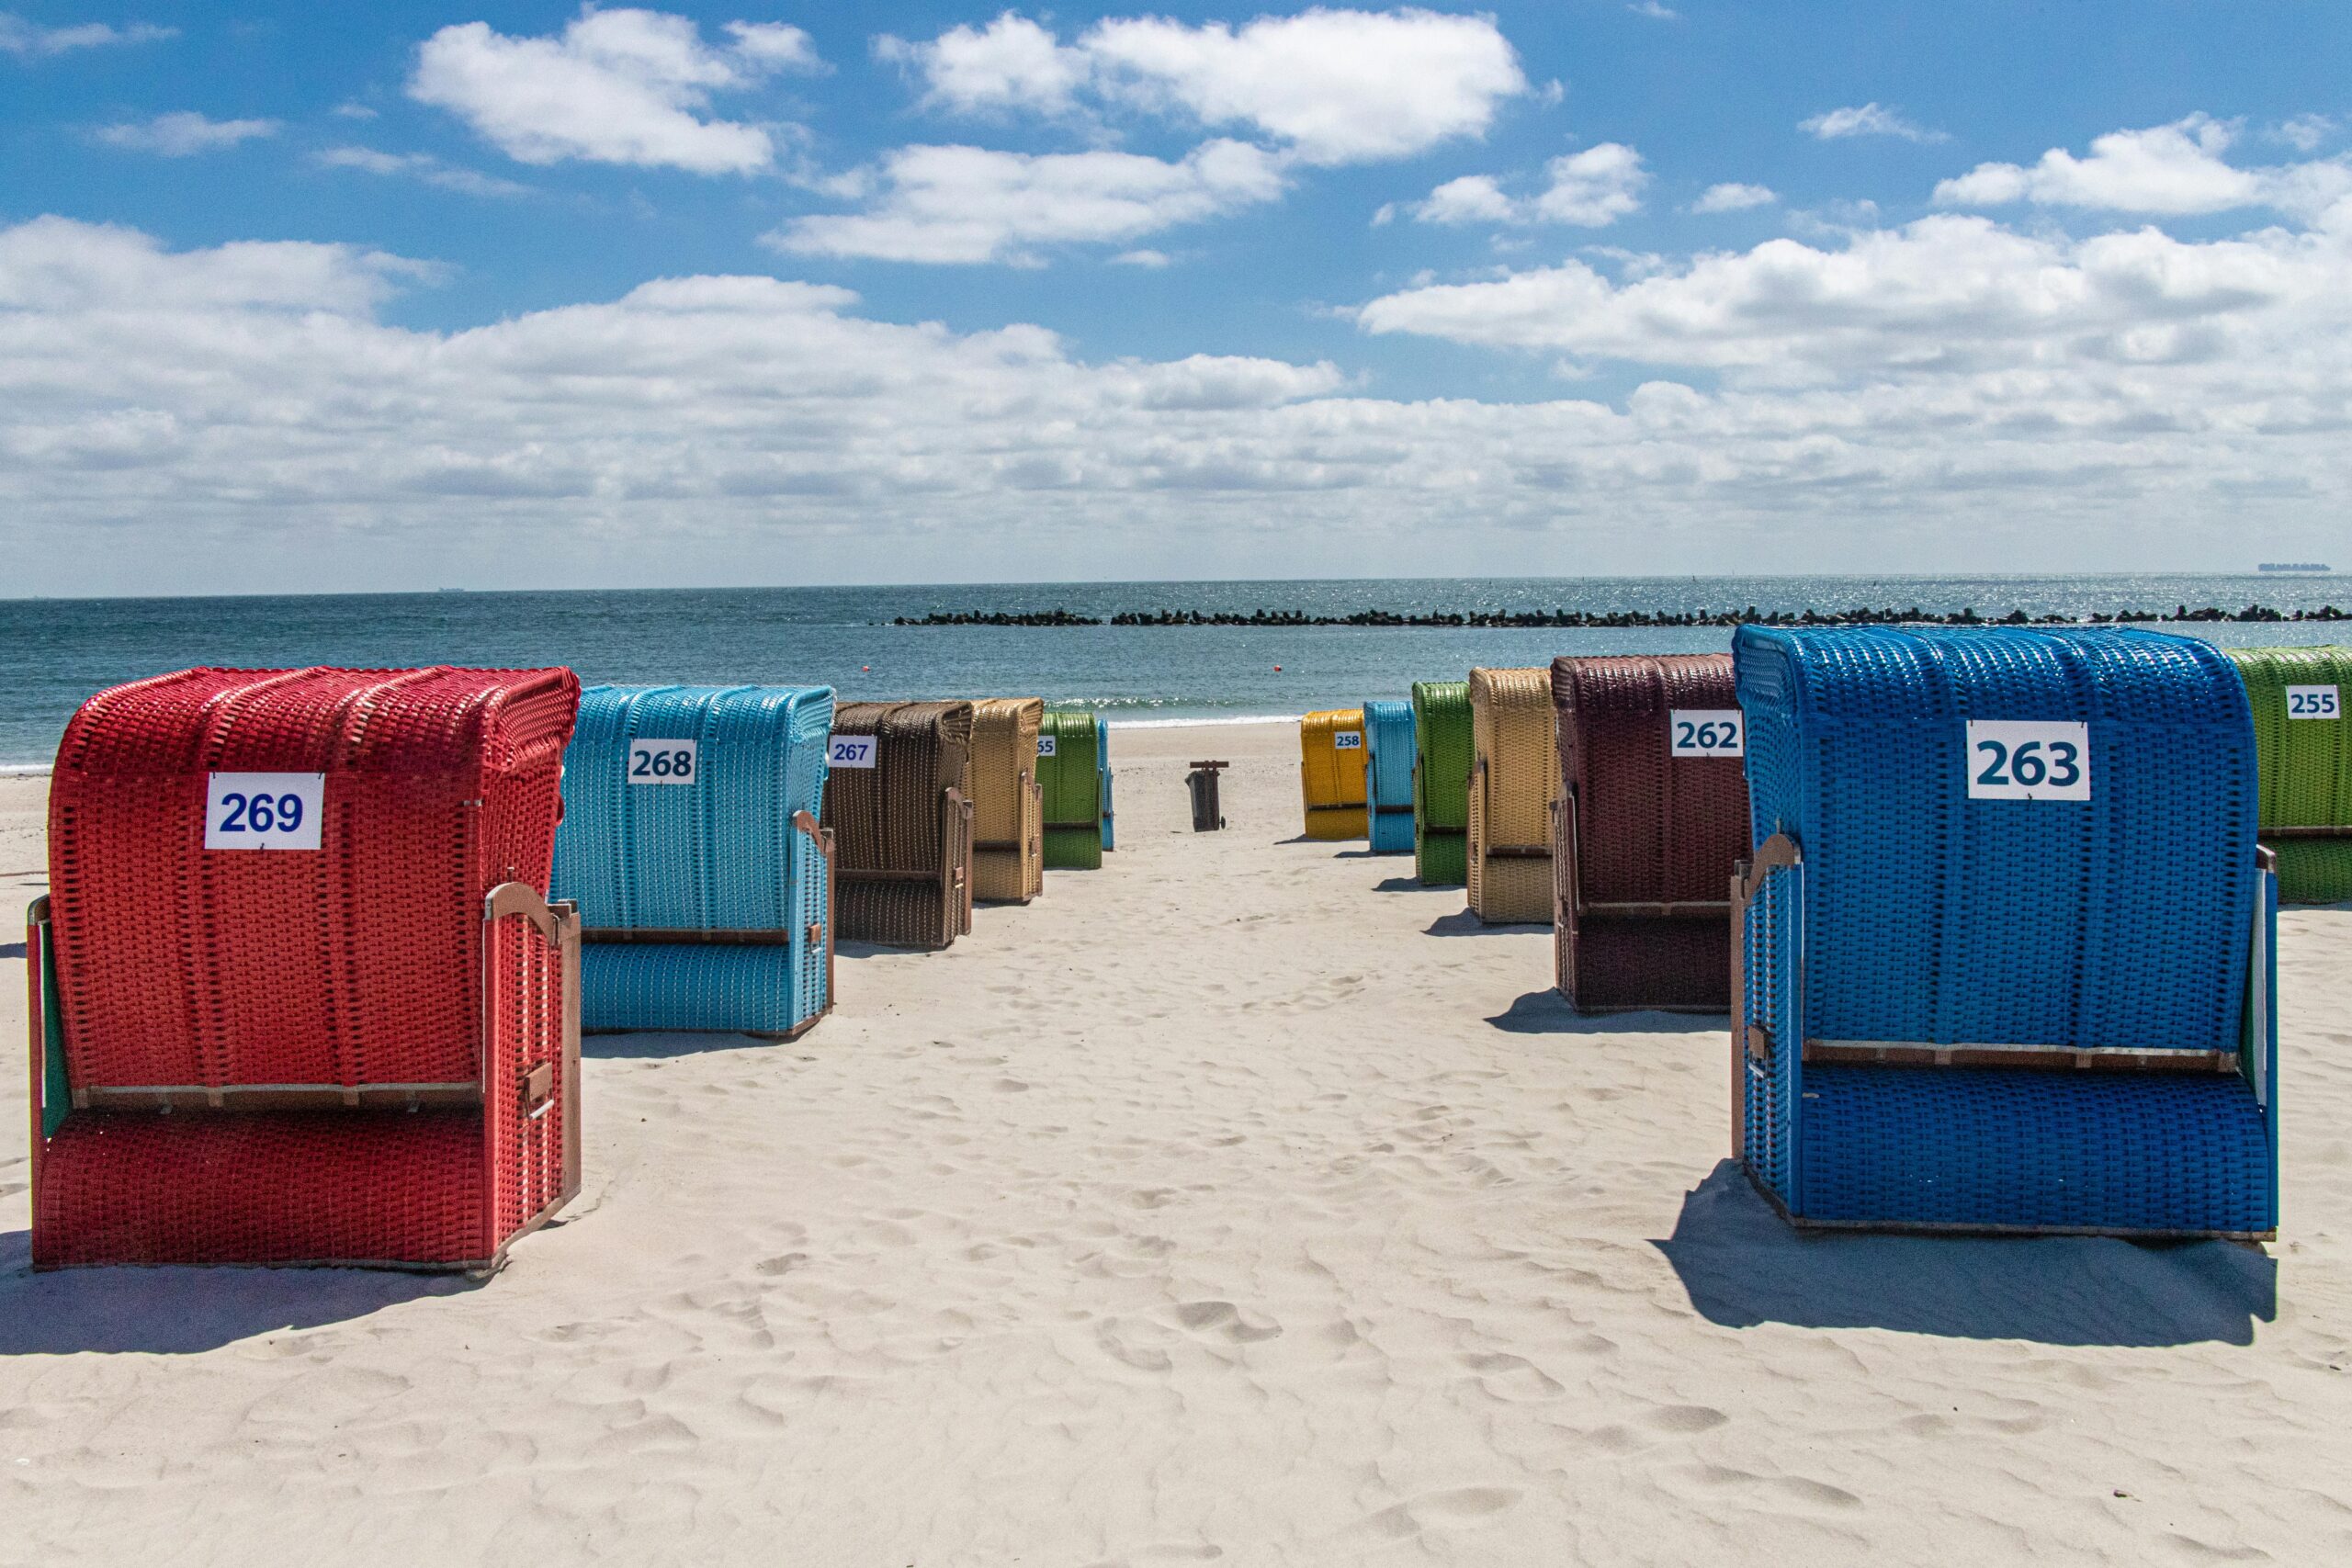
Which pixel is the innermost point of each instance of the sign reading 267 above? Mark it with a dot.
(2016, 760)
(849, 751)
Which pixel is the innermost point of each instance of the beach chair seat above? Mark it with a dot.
(1008, 805)
(2005, 948)
(1076, 789)
(2301, 699)
(1441, 757)
(692, 845)
(298, 994)
(1651, 818)
(1514, 774)
(900, 813)
(1331, 773)
(1388, 776)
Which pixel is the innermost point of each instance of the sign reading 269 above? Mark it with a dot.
(2016, 760)
(264, 811)
(661, 762)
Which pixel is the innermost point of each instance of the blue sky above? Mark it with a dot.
(287, 302)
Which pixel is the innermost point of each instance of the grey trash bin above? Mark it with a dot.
(1206, 816)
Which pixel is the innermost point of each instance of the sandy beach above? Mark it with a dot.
(1240, 1202)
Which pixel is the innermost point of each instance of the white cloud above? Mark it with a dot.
(183, 134)
(2173, 170)
(240, 417)
(970, 204)
(1330, 86)
(352, 111)
(1654, 11)
(626, 86)
(2304, 133)
(1591, 190)
(1732, 197)
(30, 40)
(422, 166)
(1869, 119)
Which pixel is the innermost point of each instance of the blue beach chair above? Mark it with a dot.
(691, 840)
(2003, 959)
(1102, 761)
(1388, 764)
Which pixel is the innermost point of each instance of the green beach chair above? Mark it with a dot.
(2302, 733)
(1442, 783)
(1070, 767)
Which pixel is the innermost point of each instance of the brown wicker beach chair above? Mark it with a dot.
(1514, 773)
(1008, 806)
(903, 822)
(1651, 816)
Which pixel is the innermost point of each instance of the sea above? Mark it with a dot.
(55, 652)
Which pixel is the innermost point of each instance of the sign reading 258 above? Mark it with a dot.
(2016, 760)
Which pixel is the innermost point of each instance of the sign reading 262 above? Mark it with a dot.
(657, 761)
(1705, 732)
(2018, 760)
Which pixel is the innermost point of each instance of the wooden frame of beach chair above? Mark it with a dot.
(305, 1055)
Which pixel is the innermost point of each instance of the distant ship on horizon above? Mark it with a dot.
(2294, 566)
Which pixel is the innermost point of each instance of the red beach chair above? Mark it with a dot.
(299, 996)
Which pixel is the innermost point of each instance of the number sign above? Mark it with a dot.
(656, 761)
(1707, 732)
(851, 752)
(2313, 702)
(1347, 740)
(1046, 745)
(2019, 760)
(264, 811)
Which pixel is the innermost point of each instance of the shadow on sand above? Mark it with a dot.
(1461, 922)
(1548, 1012)
(176, 1311)
(1744, 1266)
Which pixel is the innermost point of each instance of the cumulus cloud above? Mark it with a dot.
(1591, 190)
(623, 86)
(1328, 86)
(30, 40)
(183, 134)
(970, 204)
(1869, 119)
(2174, 170)
(1732, 197)
(2304, 133)
(247, 404)
(421, 166)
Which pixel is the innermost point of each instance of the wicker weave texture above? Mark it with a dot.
(1388, 775)
(1514, 774)
(2306, 764)
(1008, 804)
(1648, 829)
(1331, 776)
(903, 828)
(345, 965)
(310, 977)
(1442, 758)
(1921, 915)
(1074, 799)
(2117, 922)
(719, 853)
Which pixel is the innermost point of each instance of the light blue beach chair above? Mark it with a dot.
(1388, 775)
(691, 840)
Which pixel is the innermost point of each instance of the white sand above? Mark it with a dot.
(1237, 1203)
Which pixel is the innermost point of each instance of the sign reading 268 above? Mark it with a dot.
(661, 762)
(2015, 760)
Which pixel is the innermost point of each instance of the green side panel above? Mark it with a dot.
(1441, 859)
(1073, 849)
(1071, 776)
(2306, 763)
(1442, 755)
(56, 1094)
(2313, 870)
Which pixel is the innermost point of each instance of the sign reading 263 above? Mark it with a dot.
(2016, 760)
(661, 762)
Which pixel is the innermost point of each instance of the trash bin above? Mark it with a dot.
(1202, 780)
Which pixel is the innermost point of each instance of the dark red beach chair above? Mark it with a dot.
(1651, 818)
(298, 996)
